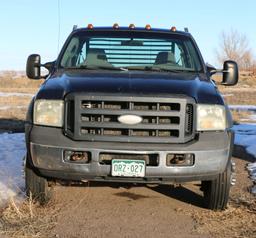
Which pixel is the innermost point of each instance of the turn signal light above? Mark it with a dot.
(173, 28)
(147, 27)
(131, 26)
(90, 26)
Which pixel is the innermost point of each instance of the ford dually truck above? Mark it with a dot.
(133, 105)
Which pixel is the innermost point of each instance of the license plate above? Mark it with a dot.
(128, 168)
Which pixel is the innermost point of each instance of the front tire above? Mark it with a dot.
(216, 192)
(36, 185)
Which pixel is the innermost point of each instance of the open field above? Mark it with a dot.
(16, 92)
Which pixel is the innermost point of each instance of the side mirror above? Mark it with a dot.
(49, 65)
(210, 69)
(230, 73)
(33, 68)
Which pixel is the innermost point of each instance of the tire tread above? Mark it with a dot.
(36, 185)
(216, 192)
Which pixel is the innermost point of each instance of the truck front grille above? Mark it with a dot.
(95, 118)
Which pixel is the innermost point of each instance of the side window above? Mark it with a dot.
(82, 55)
(70, 56)
(178, 54)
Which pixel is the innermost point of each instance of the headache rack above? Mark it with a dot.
(95, 118)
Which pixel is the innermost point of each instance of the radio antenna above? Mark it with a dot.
(58, 27)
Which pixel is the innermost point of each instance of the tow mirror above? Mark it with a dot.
(33, 68)
(230, 73)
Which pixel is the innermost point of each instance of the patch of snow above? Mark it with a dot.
(245, 135)
(12, 151)
(252, 171)
(228, 95)
(252, 117)
(242, 107)
(248, 120)
(253, 190)
(251, 165)
(12, 107)
(5, 94)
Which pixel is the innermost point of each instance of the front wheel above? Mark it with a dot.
(216, 192)
(36, 185)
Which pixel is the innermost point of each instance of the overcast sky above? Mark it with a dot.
(30, 26)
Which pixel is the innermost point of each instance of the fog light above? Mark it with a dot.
(180, 160)
(77, 157)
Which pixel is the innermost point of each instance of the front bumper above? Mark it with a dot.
(46, 146)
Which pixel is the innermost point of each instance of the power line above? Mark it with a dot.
(58, 27)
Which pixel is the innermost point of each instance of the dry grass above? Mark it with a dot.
(10, 80)
(27, 220)
(240, 97)
(13, 108)
(238, 221)
(246, 80)
(242, 116)
(244, 93)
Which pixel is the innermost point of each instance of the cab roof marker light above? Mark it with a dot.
(90, 26)
(147, 27)
(132, 26)
(173, 28)
(115, 26)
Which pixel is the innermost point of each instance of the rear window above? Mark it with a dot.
(140, 53)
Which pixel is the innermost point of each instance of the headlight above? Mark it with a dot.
(211, 117)
(48, 112)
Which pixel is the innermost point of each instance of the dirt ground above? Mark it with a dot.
(105, 210)
(119, 210)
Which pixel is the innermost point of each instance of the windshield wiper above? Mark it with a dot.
(77, 68)
(97, 67)
(159, 69)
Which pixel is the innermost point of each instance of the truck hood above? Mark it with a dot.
(130, 83)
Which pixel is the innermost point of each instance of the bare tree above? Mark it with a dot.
(235, 46)
(254, 67)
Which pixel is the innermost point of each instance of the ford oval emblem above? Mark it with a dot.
(130, 119)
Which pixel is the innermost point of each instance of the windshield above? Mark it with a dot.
(131, 53)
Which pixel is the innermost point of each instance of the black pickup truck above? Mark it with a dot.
(127, 104)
